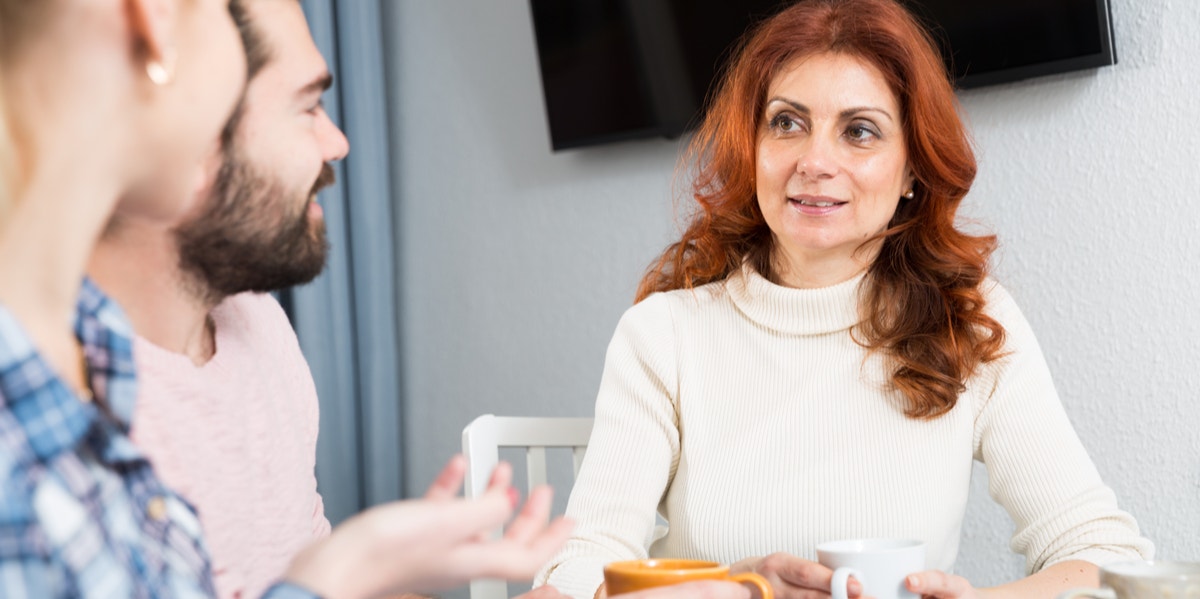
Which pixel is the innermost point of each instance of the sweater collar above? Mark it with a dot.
(795, 311)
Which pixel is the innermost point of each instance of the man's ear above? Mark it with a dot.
(153, 26)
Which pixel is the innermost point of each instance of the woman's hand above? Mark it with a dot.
(543, 592)
(433, 543)
(935, 584)
(794, 578)
(693, 590)
(706, 589)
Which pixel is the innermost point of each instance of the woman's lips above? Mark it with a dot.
(815, 205)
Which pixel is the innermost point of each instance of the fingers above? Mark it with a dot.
(523, 560)
(512, 560)
(939, 585)
(456, 521)
(501, 479)
(692, 590)
(533, 516)
(499, 490)
(543, 592)
(854, 588)
(796, 578)
(553, 538)
(465, 529)
(449, 480)
(490, 511)
(799, 572)
(432, 544)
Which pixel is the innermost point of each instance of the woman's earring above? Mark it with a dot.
(908, 195)
(161, 71)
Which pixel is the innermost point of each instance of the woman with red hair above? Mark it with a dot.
(822, 355)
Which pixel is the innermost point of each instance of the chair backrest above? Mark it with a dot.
(482, 440)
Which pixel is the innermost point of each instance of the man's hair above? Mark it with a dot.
(258, 54)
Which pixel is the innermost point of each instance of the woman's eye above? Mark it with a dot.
(861, 132)
(785, 123)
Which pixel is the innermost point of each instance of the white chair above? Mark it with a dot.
(482, 440)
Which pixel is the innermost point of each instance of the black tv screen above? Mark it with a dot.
(623, 69)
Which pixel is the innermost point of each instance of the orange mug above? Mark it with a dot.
(639, 575)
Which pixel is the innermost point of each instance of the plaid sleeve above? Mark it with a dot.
(26, 578)
(285, 590)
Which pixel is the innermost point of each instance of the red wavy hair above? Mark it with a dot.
(922, 301)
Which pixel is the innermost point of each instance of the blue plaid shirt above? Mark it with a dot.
(82, 513)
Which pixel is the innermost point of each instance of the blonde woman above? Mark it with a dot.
(107, 103)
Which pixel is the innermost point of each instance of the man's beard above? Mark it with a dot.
(252, 234)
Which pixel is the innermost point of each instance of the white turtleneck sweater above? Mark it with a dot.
(748, 417)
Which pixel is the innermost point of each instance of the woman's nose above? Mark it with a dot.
(815, 159)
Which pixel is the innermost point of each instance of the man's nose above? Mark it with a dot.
(334, 145)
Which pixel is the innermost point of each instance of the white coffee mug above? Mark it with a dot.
(1144, 580)
(880, 565)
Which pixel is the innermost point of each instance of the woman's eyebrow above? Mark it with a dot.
(847, 113)
(794, 104)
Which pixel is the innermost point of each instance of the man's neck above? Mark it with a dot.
(138, 265)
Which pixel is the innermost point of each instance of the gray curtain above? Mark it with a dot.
(346, 319)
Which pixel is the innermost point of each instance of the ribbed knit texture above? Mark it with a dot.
(237, 437)
(748, 417)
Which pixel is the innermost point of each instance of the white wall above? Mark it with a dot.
(516, 263)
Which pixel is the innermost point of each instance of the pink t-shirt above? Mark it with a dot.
(237, 437)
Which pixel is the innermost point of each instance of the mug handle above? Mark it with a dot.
(1105, 593)
(841, 577)
(764, 587)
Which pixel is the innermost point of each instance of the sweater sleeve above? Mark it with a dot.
(1038, 469)
(320, 524)
(308, 408)
(631, 457)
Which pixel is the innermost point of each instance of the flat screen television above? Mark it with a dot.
(623, 69)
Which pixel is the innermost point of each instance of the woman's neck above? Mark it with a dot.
(44, 247)
(77, 111)
(815, 270)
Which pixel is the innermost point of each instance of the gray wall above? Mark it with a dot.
(516, 263)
